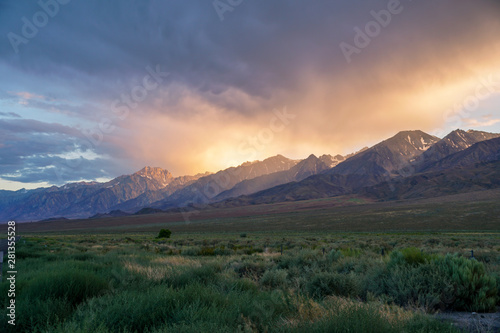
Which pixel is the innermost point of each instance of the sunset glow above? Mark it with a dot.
(94, 95)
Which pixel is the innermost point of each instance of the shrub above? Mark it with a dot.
(449, 282)
(350, 252)
(164, 233)
(352, 317)
(222, 251)
(83, 256)
(198, 275)
(413, 256)
(191, 251)
(274, 278)
(52, 297)
(475, 289)
(73, 286)
(304, 259)
(334, 255)
(410, 256)
(207, 251)
(325, 284)
(195, 308)
(422, 286)
(243, 235)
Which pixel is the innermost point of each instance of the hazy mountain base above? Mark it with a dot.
(406, 154)
(474, 211)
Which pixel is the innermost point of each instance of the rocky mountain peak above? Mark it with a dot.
(330, 160)
(409, 143)
(154, 173)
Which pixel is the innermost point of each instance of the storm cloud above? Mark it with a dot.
(91, 66)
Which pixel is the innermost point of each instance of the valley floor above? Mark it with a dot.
(329, 265)
(253, 281)
(475, 211)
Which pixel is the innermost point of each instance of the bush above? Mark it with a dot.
(164, 233)
(207, 251)
(475, 289)
(274, 278)
(410, 256)
(222, 251)
(423, 286)
(352, 317)
(194, 308)
(448, 282)
(304, 259)
(52, 297)
(199, 275)
(72, 286)
(325, 284)
(334, 255)
(413, 256)
(191, 251)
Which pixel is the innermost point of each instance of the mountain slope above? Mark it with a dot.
(305, 168)
(484, 151)
(475, 177)
(314, 187)
(454, 142)
(388, 156)
(83, 199)
(207, 188)
(151, 196)
(472, 169)
(468, 170)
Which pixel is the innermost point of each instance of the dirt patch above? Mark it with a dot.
(473, 322)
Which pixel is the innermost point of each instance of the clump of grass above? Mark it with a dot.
(274, 278)
(334, 255)
(341, 315)
(326, 284)
(191, 251)
(51, 297)
(414, 256)
(73, 286)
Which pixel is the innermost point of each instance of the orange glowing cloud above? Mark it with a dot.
(393, 86)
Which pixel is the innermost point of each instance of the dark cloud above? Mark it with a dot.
(9, 114)
(263, 55)
(103, 48)
(33, 151)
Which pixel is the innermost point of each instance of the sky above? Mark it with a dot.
(90, 90)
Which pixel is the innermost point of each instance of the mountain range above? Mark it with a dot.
(411, 164)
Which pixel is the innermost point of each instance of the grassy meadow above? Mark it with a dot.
(241, 282)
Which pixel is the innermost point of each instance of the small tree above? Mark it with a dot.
(164, 233)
